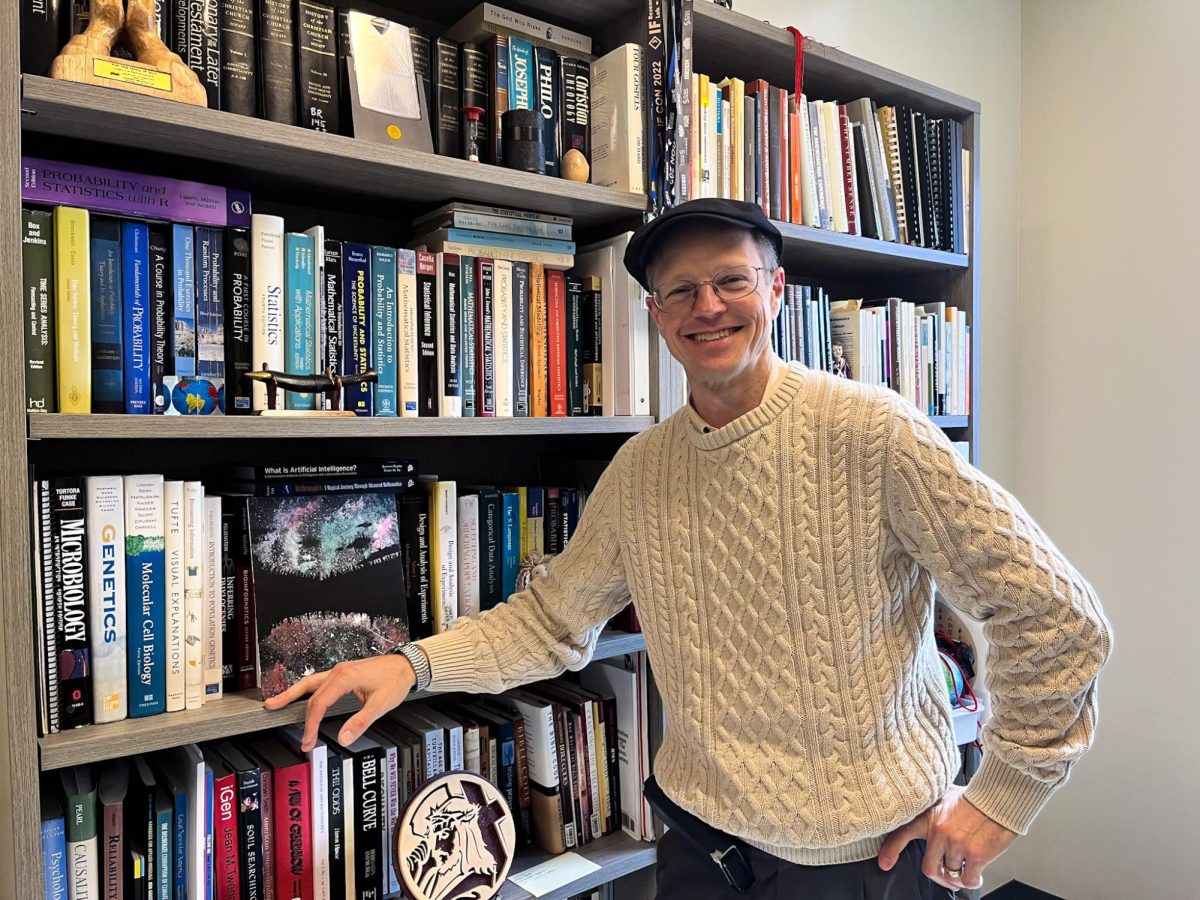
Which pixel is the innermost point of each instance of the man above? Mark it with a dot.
(779, 537)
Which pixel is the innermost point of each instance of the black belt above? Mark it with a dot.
(723, 849)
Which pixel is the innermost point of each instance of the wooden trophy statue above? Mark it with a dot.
(157, 71)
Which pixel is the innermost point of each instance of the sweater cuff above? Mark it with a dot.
(451, 656)
(1007, 795)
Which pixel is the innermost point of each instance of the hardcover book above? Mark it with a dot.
(239, 70)
(317, 66)
(162, 307)
(328, 582)
(549, 104)
(37, 269)
(108, 393)
(106, 592)
(145, 587)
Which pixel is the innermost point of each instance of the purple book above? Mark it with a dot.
(129, 194)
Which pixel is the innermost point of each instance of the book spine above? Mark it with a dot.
(43, 33)
(54, 858)
(225, 836)
(70, 586)
(510, 536)
(443, 513)
(414, 550)
(491, 515)
(247, 648)
(846, 168)
(37, 273)
(239, 83)
(266, 785)
(337, 828)
(204, 47)
(447, 100)
(576, 102)
(249, 822)
(549, 105)
(317, 66)
(539, 377)
(44, 532)
(72, 309)
(474, 69)
(106, 592)
(488, 249)
(83, 861)
(427, 333)
(485, 358)
(356, 334)
(238, 320)
(230, 525)
(553, 521)
(498, 224)
(162, 303)
(108, 394)
(276, 61)
(449, 345)
(267, 304)
(369, 865)
(211, 621)
(333, 299)
(183, 253)
(556, 327)
(520, 338)
(193, 592)
(179, 28)
(173, 571)
(145, 587)
(520, 73)
(383, 328)
(574, 346)
(502, 335)
(407, 344)
(617, 129)
(468, 555)
(210, 303)
(300, 315)
(293, 818)
(498, 85)
(593, 347)
(535, 513)
(468, 333)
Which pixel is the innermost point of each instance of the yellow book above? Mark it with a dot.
(73, 309)
(539, 362)
(443, 552)
(523, 495)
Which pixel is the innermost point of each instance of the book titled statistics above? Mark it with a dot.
(328, 582)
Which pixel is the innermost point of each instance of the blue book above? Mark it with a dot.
(145, 594)
(163, 820)
(520, 351)
(300, 314)
(510, 543)
(135, 282)
(210, 303)
(491, 547)
(384, 320)
(183, 264)
(356, 333)
(208, 833)
(108, 392)
(54, 848)
(570, 505)
(178, 839)
(520, 73)
(508, 241)
(467, 333)
(548, 101)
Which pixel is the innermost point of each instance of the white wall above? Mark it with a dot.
(1107, 415)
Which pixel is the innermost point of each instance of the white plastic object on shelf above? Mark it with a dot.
(966, 723)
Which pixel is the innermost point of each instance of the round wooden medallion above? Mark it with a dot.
(455, 840)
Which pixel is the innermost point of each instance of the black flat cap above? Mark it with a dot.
(646, 240)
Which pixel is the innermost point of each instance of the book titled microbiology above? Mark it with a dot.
(131, 194)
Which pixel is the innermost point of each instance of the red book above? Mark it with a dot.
(485, 361)
(226, 884)
(848, 171)
(291, 819)
(556, 328)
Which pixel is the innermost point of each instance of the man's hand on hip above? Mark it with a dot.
(958, 839)
(380, 683)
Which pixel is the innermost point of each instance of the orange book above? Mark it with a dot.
(794, 168)
(556, 323)
(539, 385)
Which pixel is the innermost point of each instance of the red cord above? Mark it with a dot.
(799, 61)
(967, 691)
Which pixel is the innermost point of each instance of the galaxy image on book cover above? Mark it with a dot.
(328, 582)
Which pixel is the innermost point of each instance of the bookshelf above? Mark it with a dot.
(40, 115)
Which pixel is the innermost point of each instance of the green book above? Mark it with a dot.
(79, 806)
(37, 268)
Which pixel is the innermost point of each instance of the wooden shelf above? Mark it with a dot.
(233, 714)
(617, 854)
(284, 159)
(830, 254)
(57, 426)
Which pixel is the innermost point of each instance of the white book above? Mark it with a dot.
(317, 233)
(407, 351)
(351, 825)
(106, 594)
(184, 766)
(318, 771)
(266, 307)
(443, 547)
(193, 593)
(809, 214)
(83, 868)
(453, 733)
(834, 177)
(625, 326)
(468, 555)
(173, 526)
(502, 335)
(618, 129)
(611, 677)
(212, 615)
(472, 760)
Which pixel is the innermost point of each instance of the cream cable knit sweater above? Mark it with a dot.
(783, 568)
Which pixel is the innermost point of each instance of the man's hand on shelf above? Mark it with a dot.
(380, 683)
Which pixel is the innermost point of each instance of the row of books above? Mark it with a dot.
(154, 595)
(257, 817)
(885, 172)
(921, 351)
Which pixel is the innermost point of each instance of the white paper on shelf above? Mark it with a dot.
(554, 874)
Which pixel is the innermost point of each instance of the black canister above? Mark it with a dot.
(521, 140)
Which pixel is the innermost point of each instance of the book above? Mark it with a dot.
(468, 317)
(549, 104)
(414, 548)
(108, 394)
(495, 218)
(618, 135)
(485, 336)
(54, 847)
(332, 297)
(489, 251)
(448, 348)
(502, 335)
(443, 542)
(300, 314)
(267, 305)
(318, 770)
(468, 555)
(162, 306)
(239, 318)
(473, 61)
(37, 280)
(72, 309)
(308, 549)
(231, 516)
(81, 826)
(556, 337)
(292, 818)
(357, 327)
(210, 622)
(445, 114)
(576, 106)
(383, 328)
(497, 241)
(593, 346)
(539, 361)
(69, 589)
(204, 47)
(239, 64)
(317, 67)
(210, 303)
(428, 403)
(520, 338)
(488, 19)
(193, 593)
(110, 801)
(174, 605)
(43, 33)
(183, 273)
(276, 61)
(407, 340)
(573, 321)
(248, 815)
(106, 592)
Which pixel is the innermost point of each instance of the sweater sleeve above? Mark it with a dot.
(551, 626)
(1047, 635)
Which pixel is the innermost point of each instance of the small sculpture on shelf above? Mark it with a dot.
(154, 71)
(330, 385)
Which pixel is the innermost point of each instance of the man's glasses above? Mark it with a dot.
(729, 284)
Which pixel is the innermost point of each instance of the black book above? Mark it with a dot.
(141, 815)
(247, 663)
(108, 358)
(575, 340)
(252, 871)
(179, 28)
(485, 368)
(520, 315)
(549, 104)
(428, 400)
(231, 526)
(414, 550)
(239, 83)
(332, 307)
(337, 826)
(238, 330)
(43, 33)
(868, 225)
(423, 66)
(451, 356)
(276, 63)
(908, 174)
(475, 63)
(165, 20)
(343, 70)
(773, 165)
(204, 46)
(553, 522)
(576, 106)
(958, 224)
(162, 309)
(924, 183)
(69, 560)
(37, 271)
(592, 346)
(447, 87)
(317, 64)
